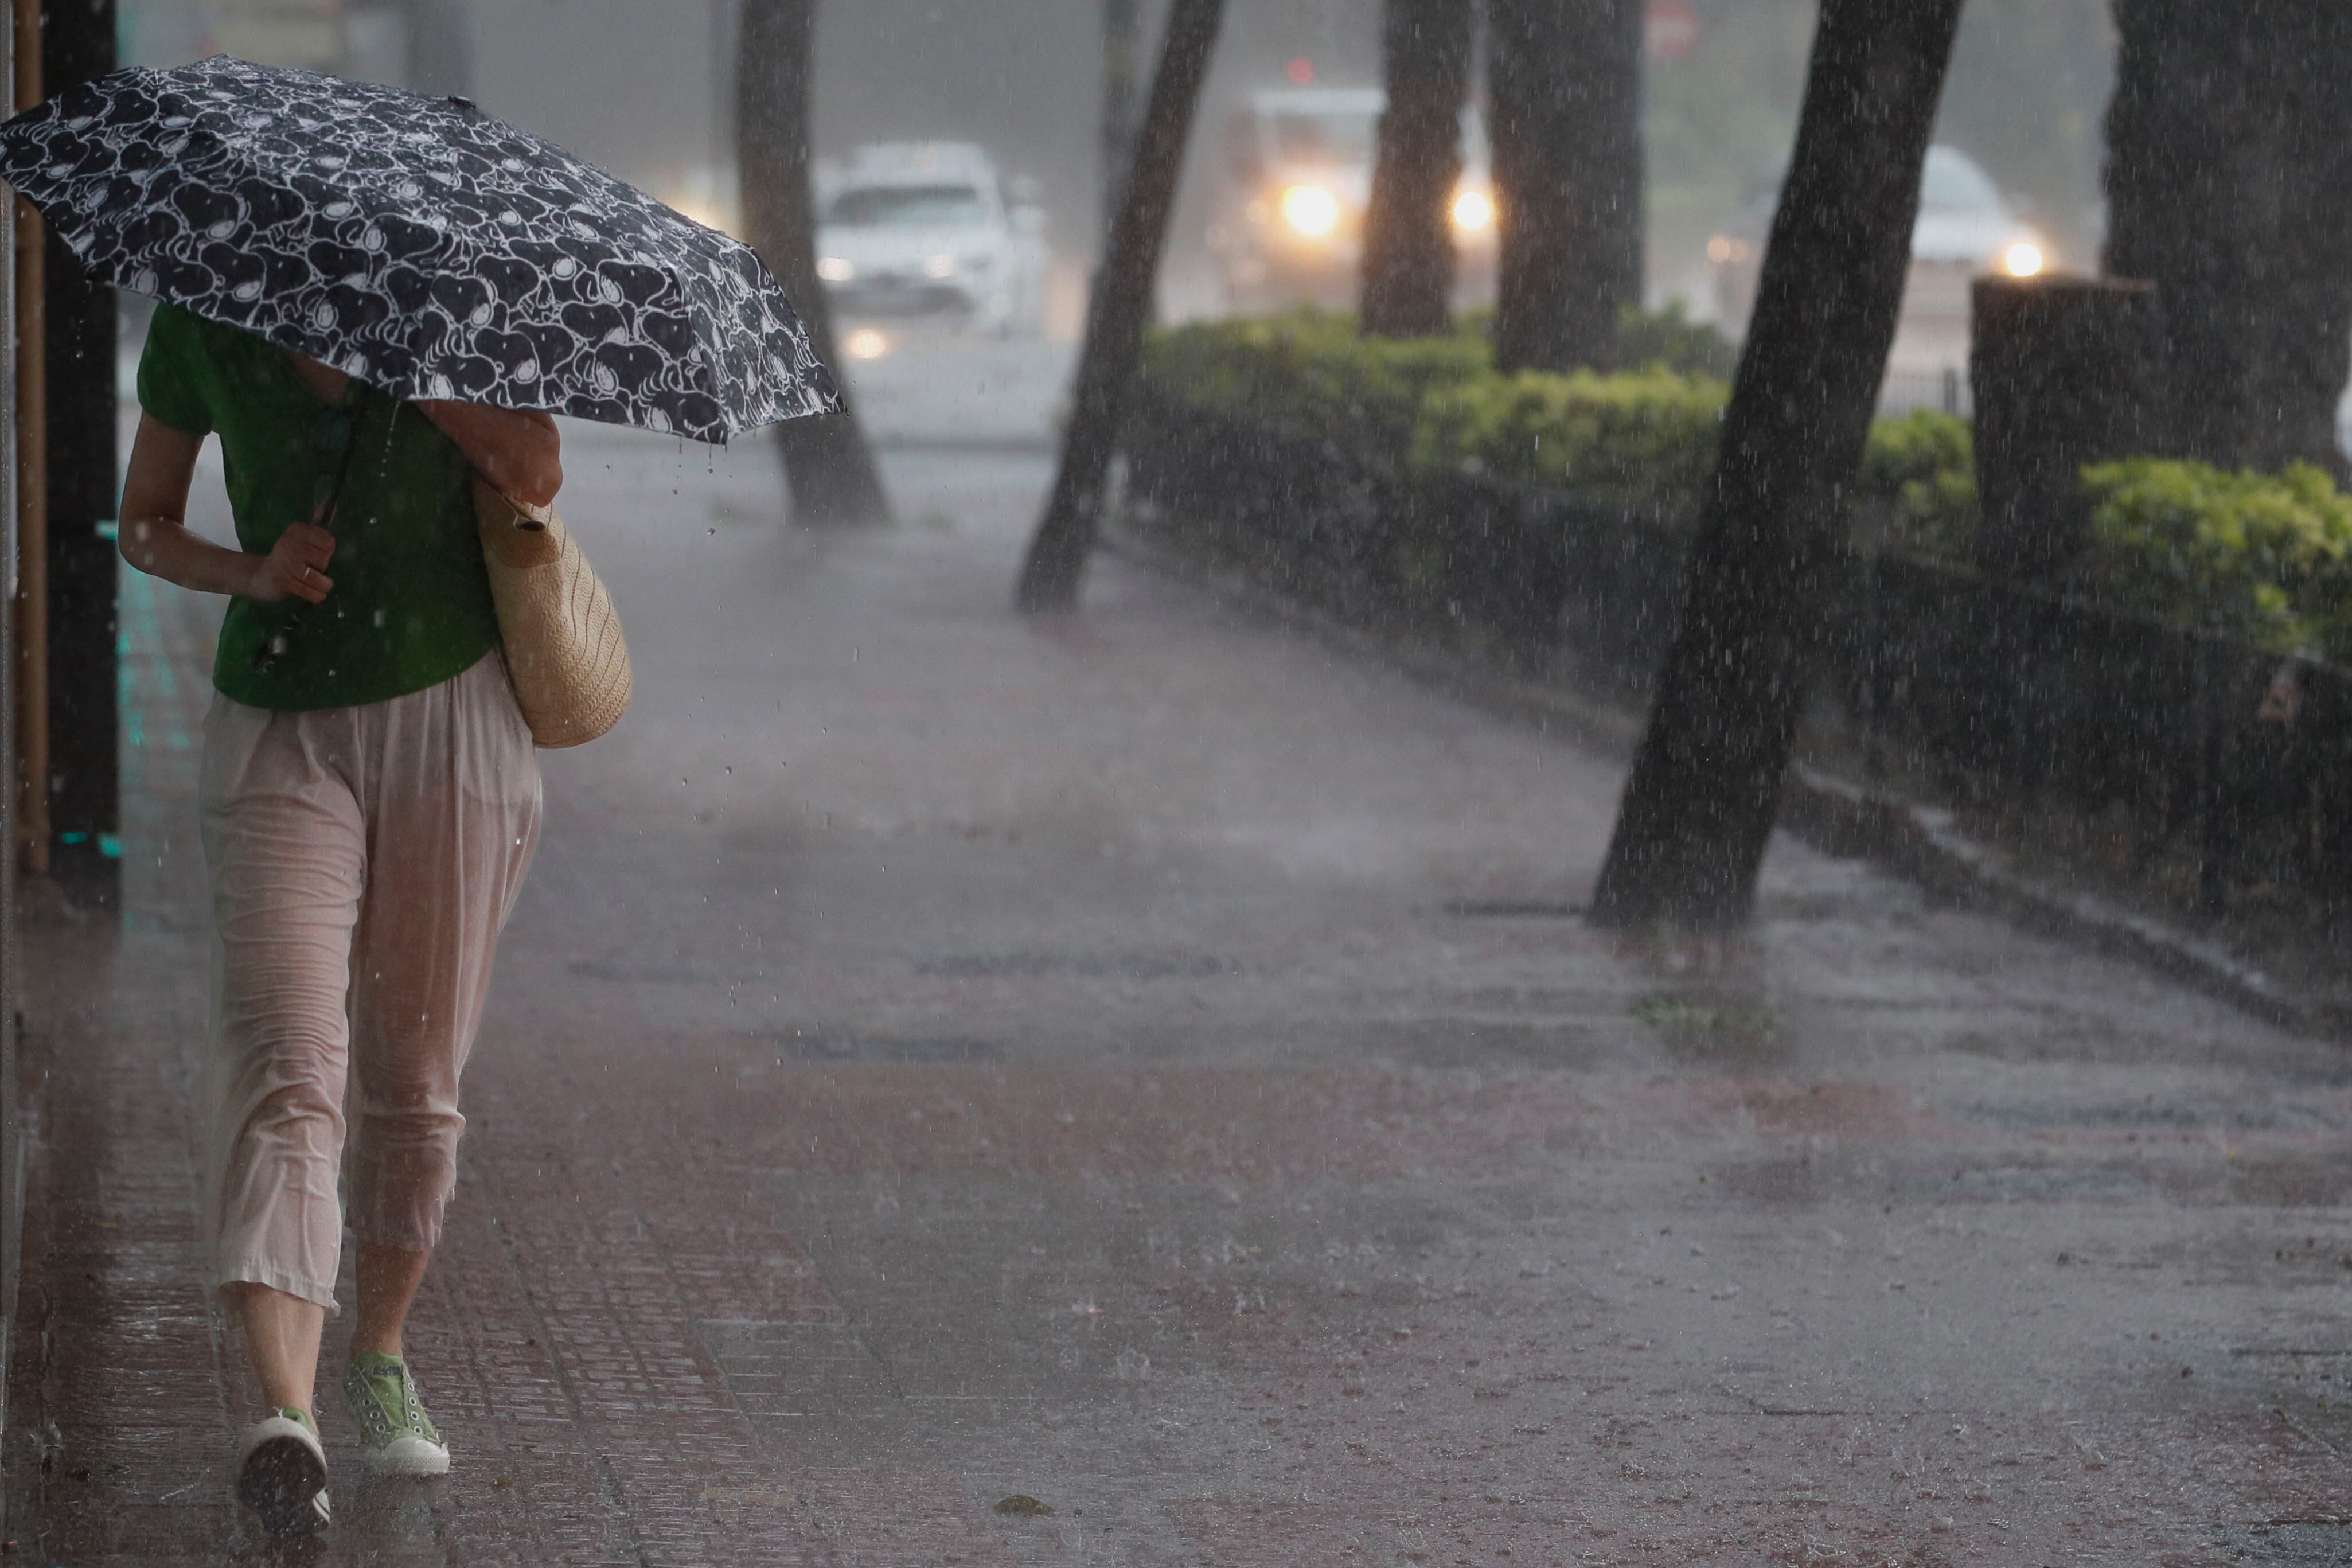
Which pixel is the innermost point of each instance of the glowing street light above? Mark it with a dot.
(1311, 210)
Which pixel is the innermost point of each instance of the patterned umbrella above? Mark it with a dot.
(418, 244)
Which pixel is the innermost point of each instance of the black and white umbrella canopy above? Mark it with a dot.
(419, 244)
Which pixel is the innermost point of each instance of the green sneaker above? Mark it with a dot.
(281, 1473)
(396, 1438)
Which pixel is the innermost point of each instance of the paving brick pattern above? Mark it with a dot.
(938, 1061)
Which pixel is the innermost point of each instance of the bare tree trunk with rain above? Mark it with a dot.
(1705, 783)
(1117, 313)
(2229, 144)
(1564, 79)
(2311, 329)
(1408, 282)
(827, 462)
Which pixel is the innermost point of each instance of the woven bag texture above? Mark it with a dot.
(563, 642)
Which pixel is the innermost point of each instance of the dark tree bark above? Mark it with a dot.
(2193, 186)
(2229, 145)
(1706, 783)
(1564, 79)
(2310, 336)
(828, 463)
(1117, 313)
(1408, 223)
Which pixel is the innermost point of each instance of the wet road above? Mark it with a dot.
(1145, 1064)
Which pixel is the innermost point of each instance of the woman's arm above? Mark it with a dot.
(517, 450)
(155, 535)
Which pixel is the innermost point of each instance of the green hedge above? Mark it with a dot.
(1647, 434)
(2267, 557)
(1921, 468)
(1311, 371)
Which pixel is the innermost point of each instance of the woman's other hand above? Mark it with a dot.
(296, 566)
(517, 450)
(156, 537)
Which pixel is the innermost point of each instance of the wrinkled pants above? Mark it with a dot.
(363, 860)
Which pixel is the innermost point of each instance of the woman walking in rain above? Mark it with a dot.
(369, 802)
(368, 296)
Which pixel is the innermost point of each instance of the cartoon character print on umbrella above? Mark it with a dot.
(416, 243)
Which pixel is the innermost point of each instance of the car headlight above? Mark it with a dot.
(835, 268)
(2023, 259)
(1473, 210)
(1310, 210)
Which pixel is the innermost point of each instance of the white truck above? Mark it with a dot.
(1288, 218)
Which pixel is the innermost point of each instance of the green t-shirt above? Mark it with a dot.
(411, 606)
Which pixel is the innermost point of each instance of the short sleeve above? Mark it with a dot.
(171, 372)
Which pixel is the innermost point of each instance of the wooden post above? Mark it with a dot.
(11, 972)
(80, 328)
(31, 649)
(2066, 371)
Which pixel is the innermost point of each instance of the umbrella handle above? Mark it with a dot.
(275, 646)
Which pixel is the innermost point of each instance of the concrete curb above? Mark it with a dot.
(1836, 815)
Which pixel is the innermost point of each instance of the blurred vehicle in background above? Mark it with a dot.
(929, 234)
(1965, 229)
(1288, 218)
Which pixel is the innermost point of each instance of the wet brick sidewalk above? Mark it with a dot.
(1143, 1064)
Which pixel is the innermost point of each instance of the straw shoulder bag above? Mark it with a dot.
(563, 643)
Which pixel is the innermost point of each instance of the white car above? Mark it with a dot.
(928, 233)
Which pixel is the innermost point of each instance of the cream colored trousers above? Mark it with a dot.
(363, 860)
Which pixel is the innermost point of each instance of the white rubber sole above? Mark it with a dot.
(407, 1455)
(281, 1476)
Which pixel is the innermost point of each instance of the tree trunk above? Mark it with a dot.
(2193, 183)
(2310, 337)
(2229, 144)
(1117, 313)
(1564, 78)
(827, 464)
(1408, 223)
(1705, 783)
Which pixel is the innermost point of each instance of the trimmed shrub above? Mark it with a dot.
(1668, 340)
(1644, 436)
(2263, 556)
(1640, 437)
(1310, 371)
(1922, 468)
